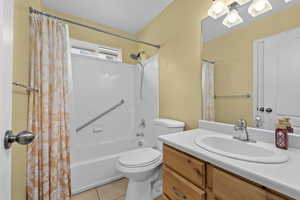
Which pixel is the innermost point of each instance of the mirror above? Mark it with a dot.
(251, 70)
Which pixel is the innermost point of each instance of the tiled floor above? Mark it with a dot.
(112, 191)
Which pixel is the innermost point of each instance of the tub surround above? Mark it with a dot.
(282, 178)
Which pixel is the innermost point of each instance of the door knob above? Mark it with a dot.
(24, 138)
(261, 109)
(269, 110)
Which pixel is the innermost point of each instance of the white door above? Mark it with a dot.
(279, 73)
(6, 19)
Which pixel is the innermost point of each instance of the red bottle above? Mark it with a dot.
(281, 137)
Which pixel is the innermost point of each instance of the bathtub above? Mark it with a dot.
(95, 166)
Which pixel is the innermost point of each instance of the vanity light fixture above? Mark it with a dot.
(232, 19)
(286, 1)
(259, 7)
(218, 9)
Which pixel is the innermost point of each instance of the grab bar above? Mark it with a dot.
(101, 115)
(234, 96)
(28, 89)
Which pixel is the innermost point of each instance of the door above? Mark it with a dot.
(6, 14)
(279, 78)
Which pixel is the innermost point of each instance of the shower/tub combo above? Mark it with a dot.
(113, 105)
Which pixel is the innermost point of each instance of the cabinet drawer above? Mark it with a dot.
(185, 165)
(178, 188)
(227, 186)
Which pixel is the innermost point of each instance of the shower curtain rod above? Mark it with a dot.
(33, 10)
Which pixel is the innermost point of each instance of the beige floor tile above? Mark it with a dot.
(88, 195)
(114, 190)
(123, 198)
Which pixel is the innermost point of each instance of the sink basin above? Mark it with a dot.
(258, 152)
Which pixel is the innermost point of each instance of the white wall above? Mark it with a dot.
(99, 85)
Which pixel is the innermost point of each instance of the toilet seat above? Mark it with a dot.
(140, 158)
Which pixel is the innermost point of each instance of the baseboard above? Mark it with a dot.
(96, 184)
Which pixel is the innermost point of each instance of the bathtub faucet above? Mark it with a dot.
(142, 123)
(140, 135)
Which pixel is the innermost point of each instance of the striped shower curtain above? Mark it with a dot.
(48, 157)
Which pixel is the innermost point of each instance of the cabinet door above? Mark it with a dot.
(209, 182)
(228, 187)
(210, 195)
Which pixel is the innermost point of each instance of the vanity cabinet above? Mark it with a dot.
(189, 178)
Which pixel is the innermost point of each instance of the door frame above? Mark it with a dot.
(258, 73)
(6, 68)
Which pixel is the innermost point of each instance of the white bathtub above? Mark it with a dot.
(95, 166)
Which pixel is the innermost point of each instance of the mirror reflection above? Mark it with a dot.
(250, 69)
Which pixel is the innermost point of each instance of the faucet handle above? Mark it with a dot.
(140, 134)
(142, 123)
(242, 123)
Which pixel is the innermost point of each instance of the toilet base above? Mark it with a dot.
(139, 190)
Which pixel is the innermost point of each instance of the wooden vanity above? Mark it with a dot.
(189, 178)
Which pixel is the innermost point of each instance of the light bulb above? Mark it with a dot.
(260, 5)
(232, 19)
(218, 7)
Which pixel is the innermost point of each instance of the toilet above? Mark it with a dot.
(143, 166)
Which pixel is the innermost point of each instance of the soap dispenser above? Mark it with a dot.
(281, 134)
(288, 125)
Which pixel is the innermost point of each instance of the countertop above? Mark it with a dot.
(283, 178)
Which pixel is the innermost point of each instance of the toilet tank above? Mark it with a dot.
(163, 126)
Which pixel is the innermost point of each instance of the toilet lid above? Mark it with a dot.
(140, 157)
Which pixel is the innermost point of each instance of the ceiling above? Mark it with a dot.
(130, 16)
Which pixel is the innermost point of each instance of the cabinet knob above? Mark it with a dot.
(179, 194)
(269, 110)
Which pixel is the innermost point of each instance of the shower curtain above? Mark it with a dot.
(48, 157)
(208, 91)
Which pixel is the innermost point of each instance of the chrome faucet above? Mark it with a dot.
(242, 126)
(142, 123)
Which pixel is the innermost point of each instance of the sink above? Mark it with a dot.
(258, 152)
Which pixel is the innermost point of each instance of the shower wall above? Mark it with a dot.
(97, 86)
(147, 108)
